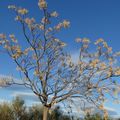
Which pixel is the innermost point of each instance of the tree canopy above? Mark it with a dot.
(49, 71)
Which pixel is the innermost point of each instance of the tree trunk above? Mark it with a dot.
(45, 113)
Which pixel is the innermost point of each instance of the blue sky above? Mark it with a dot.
(89, 18)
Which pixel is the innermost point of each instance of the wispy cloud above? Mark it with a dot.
(4, 100)
(26, 96)
(112, 112)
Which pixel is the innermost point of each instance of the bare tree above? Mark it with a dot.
(51, 73)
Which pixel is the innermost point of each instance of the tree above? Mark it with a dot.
(35, 112)
(93, 117)
(19, 109)
(57, 114)
(16, 110)
(96, 116)
(5, 112)
(50, 73)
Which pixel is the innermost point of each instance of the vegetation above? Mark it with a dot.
(50, 72)
(96, 116)
(17, 110)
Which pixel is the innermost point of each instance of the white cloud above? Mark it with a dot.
(27, 96)
(4, 100)
(14, 94)
(110, 109)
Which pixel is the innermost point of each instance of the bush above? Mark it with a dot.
(17, 110)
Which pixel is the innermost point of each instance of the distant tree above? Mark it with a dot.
(50, 73)
(6, 112)
(36, 112)
(57, 114)
(19, 109)
(95, 116)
